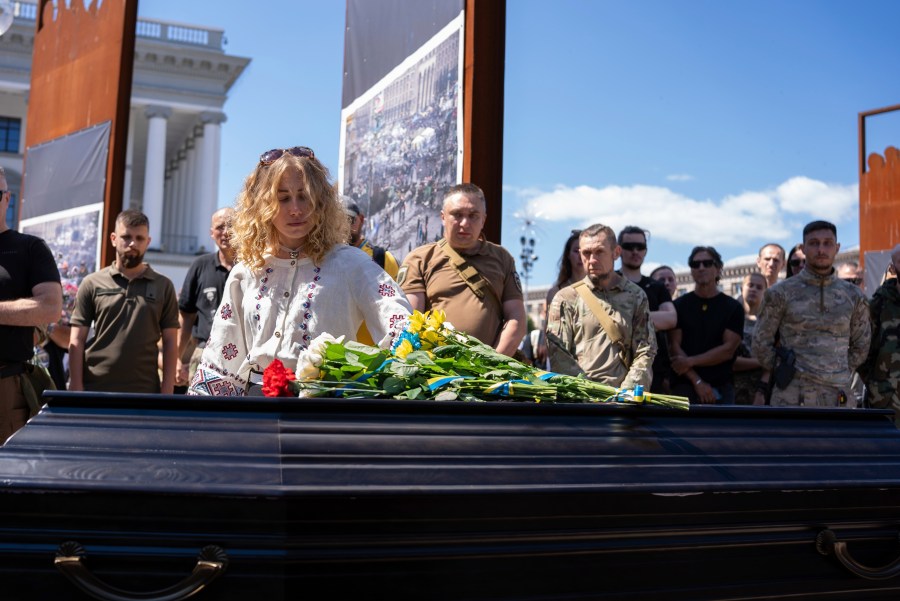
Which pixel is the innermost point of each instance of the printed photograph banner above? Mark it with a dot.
(401, 141)
(74, 239)
(65, 184)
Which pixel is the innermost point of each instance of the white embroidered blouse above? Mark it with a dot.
(275, 312)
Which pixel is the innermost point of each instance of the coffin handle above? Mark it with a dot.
(70, 557)
(827, 543)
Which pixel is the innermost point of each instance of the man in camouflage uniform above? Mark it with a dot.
(822, 319)
(577, 341)
(881, 371)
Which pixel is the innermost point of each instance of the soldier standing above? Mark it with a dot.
(824, 326)
(881, 371)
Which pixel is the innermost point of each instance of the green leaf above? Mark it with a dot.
(335, 352)
(420, 357)
(412, 393)
(373, 362)
(403, 369)
(353, 359)
(394, 386)
(446, 395)
(362, 349)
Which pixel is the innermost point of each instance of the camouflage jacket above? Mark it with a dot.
(577, 343)
(881, 371)
(823, 319)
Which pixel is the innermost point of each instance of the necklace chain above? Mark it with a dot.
(293, 252)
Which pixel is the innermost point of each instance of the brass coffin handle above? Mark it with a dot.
(827, 543)
(70, 557)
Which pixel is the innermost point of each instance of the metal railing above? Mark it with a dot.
(151, 29)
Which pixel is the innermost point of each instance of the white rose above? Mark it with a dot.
(319, 343)
(306, 369)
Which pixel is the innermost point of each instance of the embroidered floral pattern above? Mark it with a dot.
(311, 290)
(208, 381)
(225, 311)
(229, 351)
(387, 290)
(263, 288)
(397, 321)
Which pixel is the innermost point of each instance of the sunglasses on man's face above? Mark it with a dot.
(633, 246)
(702, 262)
(797, 262)
(270, 156)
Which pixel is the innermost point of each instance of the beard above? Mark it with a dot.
(131, 261)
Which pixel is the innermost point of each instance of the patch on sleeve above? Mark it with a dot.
(518, 281)
(401, 275)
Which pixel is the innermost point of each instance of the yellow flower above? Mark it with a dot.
(403, 349)
(416, 322)
(435, 318)
(430, 339)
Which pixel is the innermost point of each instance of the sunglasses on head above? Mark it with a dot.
(633, 246)
(270, 156)
(797, 262)
(704, 262)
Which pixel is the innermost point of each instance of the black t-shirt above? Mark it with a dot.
(25, 262)
(703, 322)
(202, 292)
(657, 294)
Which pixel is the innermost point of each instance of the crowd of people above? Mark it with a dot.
(809, 338)
(292, 261)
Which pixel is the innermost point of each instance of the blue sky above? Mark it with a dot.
(706, 122)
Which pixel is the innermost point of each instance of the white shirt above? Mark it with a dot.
(275, 311)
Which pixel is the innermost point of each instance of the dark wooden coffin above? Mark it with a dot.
(147, 497)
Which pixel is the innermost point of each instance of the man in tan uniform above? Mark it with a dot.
(579, 342)
(473, 281)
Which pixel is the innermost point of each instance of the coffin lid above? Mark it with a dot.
(281, 447)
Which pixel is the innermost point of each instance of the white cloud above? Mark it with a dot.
(818, 199)
(680, 177)
(731, 221)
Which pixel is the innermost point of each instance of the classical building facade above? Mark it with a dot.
(181, 80)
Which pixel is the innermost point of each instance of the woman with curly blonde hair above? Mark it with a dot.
(296, 277)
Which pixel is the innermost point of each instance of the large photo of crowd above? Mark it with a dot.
(401, 148)
(73, 239)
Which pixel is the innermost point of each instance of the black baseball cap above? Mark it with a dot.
(350, 207)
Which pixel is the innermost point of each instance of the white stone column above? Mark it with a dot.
(155, 170)
(167, 207)
(195, 219)
(129, 162)
(175, 167)
(186, 231)
(178, 201)
(208, 176)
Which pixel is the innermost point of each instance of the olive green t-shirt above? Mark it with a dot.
(128, 317)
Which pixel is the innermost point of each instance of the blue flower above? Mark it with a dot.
(407, 335)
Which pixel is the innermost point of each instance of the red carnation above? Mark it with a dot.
(276, 378)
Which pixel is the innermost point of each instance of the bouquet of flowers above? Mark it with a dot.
(433, 360)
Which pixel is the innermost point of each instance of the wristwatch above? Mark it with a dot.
(698, 381)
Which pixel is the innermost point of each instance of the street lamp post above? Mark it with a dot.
(527, 257)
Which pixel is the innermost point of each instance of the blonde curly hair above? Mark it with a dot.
(253, 232)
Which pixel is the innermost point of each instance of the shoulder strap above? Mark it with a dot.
(609, 326)
(474, 280)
